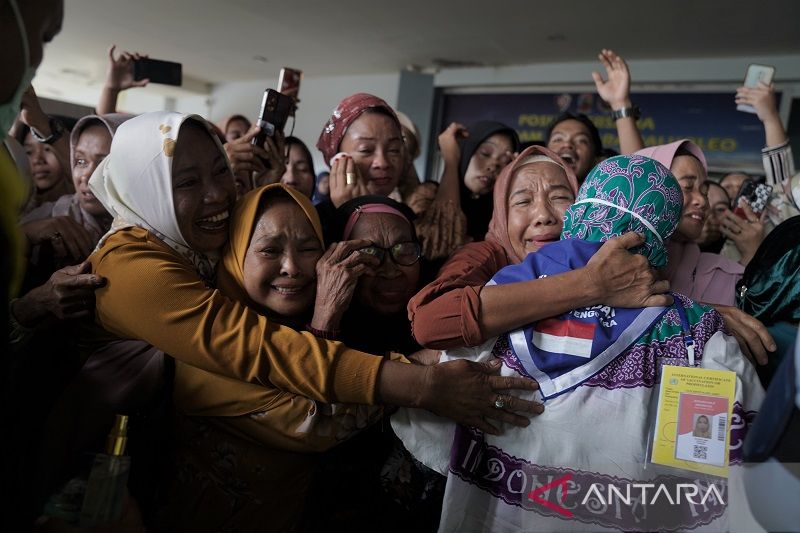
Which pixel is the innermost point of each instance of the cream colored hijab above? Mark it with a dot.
(134, 183)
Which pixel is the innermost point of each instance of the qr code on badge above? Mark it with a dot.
(700, 452)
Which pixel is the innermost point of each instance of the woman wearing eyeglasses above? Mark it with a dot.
(376, 318)
(371, 479)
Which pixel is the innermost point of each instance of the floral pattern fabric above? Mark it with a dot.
(627, 193)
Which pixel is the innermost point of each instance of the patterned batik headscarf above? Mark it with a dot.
(627, 193)
(345, 114)
(134, 183)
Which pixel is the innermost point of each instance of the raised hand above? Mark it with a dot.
(616, 90)
(448, 142)
(762, 98)
(746, 233)
(119, 75)
(31, 113)
(272, 160)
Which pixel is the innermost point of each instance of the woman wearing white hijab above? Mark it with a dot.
(170, 189)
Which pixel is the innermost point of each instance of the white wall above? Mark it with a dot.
(650, 74)
(318, 97)
(192, 97)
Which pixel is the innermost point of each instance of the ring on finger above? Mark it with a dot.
(499, 402)
(350, 178)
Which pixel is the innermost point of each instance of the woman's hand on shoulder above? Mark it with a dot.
(338, 271)
(622, 279)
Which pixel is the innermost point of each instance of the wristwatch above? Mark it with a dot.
(56, 131)
(626, 112)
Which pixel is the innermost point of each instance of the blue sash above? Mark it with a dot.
(564, 351)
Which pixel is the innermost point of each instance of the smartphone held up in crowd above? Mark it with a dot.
(275, 111)
(158, 71)
(755, 195)
(289, 84)
(756, 74)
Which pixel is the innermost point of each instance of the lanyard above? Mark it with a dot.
(688, 340)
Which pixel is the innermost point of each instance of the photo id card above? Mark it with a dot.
(692, 429)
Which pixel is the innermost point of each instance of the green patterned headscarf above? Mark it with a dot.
(627, 193)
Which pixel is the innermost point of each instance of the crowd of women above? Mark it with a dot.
(300, 352)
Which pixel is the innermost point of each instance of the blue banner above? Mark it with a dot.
(731, 139)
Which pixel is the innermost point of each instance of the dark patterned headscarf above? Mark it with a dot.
(627, 193)
(345, 114)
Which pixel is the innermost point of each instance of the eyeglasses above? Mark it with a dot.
(403, 253)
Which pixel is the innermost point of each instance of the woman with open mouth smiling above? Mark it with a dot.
(707, 278)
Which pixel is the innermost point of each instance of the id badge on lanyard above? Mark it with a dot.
(693, 421)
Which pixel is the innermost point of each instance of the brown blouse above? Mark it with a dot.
(444, 314)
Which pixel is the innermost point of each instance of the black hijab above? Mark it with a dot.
(479, 210)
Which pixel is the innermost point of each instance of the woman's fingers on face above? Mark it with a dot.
(350, 168)
(347, 247)
(359, 270)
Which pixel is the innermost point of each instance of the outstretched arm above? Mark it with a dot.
(616, 91)
(119, 77)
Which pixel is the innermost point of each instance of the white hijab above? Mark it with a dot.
(134, 183)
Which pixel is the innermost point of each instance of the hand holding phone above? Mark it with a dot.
(158, 71)
(755, 195)
(275, 109)
(289, 84)
(756, 74)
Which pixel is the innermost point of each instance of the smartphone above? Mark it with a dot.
(157, 71)
(275, 109)
(756, 195)
(755, 74)
(289, 84)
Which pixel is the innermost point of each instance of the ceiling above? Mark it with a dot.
(233, 40)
